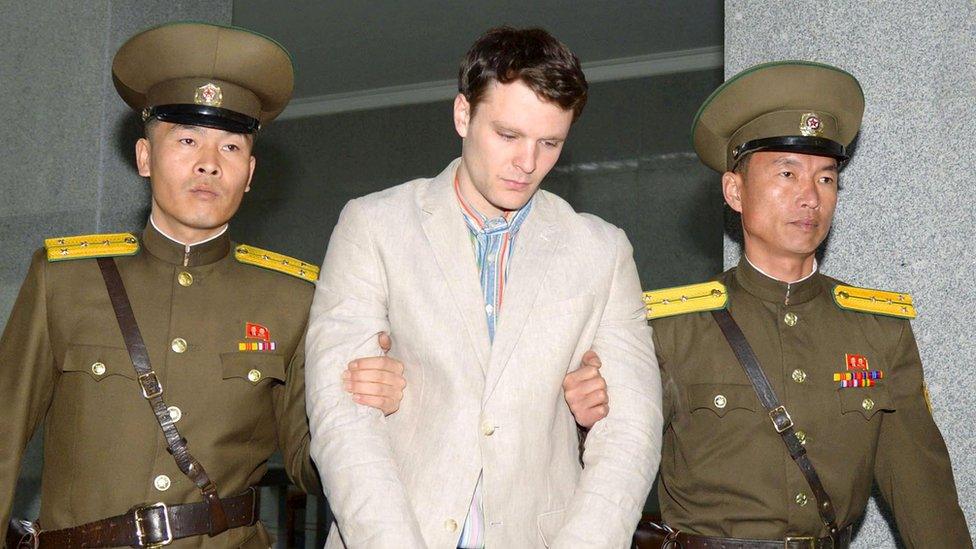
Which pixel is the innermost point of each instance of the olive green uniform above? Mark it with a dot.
(724, 470)
(63, 361)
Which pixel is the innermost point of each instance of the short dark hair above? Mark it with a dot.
(534, 56)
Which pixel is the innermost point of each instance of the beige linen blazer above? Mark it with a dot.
(401, 261)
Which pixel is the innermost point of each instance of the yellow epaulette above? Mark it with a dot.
(879, 302)
(276, 262)
(91, 245)
(694, 298)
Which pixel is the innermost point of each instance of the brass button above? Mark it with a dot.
(790, 319)
(162, 483)
(800, 499)
(720, 401)
(802, 437)
(450, 525)
(184, 278)
(174, 413)
(178, 345)
(487, 428)
(799, 375)
(867, 404)
(98, 368)
(254, 376)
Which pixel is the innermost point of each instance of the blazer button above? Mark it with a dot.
(450, 525)
(487, 428)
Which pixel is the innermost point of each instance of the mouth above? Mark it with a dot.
(516, 184)
(203, 192)
(806, 224)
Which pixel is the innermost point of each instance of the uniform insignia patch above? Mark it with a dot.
(879, 302)
(810, 125)
(256, 331)
(707, 296)
(257, 346)
(91, 245)
(866, 378)
(276, 262)
(209, 94)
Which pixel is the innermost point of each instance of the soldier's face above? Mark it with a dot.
(198, 176)
(510, 143)
(787, 203)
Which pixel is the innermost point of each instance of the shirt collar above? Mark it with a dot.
(170, 250)
(479, 223)
(767, 288)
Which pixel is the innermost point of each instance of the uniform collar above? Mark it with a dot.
(169, 250)
(768, 288)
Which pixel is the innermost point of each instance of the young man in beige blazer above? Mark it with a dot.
(491, 290)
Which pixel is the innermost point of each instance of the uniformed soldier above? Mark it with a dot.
(222, 324)
(848, 399)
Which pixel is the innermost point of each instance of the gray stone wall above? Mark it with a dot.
(905, 217)
(68, 139)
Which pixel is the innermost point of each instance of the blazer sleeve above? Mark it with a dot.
(350, 443)
(622, 451)
(912, 466)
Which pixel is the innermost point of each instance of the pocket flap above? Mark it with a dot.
(865, 400)
(253, 367)
(720, 398)
(98, 362)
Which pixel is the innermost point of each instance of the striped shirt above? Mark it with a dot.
(493, 241)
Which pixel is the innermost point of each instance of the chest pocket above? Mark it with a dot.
(253, 368)
(722, 398)
(98, 362)
(865, 401)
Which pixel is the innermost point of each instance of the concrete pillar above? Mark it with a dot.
(68, 140)
(905, 219)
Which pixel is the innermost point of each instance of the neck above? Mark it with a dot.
(784, 269)
(186, 236)
(473, 196)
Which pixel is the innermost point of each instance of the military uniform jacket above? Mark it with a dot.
(63, 361)
(725, 471)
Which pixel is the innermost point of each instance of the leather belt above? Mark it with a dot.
(690, 541)
(153, 525)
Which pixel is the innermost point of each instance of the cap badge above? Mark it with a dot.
(810, 125)
(208, 94)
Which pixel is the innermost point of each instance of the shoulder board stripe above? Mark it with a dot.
(879, 302)
(91, 245)
(276, 262)
(694, 298)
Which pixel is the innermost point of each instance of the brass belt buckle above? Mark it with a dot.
(781, 421)
(806, 541)
(141, 533)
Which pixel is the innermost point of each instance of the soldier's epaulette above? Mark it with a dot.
(694, 298)
(276, 262)
(91, 245)
(879, 302)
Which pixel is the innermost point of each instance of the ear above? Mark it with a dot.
(732, 190)
(462, 115)
(250, 174)
(143, 160)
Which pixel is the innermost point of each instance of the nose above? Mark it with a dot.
(808, 196)
(525, 160)
(207, 164)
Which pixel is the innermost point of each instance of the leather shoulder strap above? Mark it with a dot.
(781, 419)
(152, 391)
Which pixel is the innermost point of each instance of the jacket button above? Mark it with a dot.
(450, 525)
(790, 319)
(178, 345)
(184, 278)
(720, 401)
(254, 376)
(174, 413)
(800, 499)
(161, 483)
(799, 375)
(98, 368)
(802, 437)
(487, 428)
(867, 404)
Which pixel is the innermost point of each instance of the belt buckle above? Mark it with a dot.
(781, 421)
(806, 541)
(151, 387)
(141, 534)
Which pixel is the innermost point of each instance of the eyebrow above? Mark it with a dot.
(499, 126)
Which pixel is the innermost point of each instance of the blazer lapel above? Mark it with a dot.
(535, 245)
(448, 236)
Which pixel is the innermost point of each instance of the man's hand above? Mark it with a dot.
(376, 381)
(586, 391)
